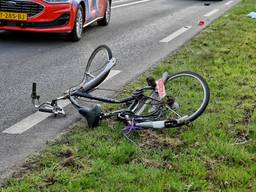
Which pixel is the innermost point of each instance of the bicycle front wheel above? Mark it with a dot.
(186, 98)
(187, 95)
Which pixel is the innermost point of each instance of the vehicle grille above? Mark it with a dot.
(31, 8)
(60, 22)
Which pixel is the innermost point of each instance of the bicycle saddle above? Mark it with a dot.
(92, 115)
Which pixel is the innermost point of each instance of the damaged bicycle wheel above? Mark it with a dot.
(186, 97)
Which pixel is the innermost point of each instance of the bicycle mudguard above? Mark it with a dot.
(157, 124)
(92, 115)
(151, 124)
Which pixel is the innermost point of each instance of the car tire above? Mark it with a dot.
(77, 31)
(106, 19)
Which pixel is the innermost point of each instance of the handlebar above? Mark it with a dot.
(33, 94)
(52, 107)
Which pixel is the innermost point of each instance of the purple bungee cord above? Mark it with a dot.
(131, 127)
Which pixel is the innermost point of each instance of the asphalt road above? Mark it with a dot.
(134, 36)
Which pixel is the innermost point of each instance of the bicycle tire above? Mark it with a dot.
(205, 87)
(92, 69)
(154, 111)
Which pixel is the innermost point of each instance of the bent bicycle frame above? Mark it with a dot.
(85, 88)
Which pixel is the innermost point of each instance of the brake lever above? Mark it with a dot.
(34, 95)
(48, 107)
(56, 108)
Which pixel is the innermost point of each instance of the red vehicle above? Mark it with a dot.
(55, 16)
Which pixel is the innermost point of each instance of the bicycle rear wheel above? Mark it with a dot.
(187, 96)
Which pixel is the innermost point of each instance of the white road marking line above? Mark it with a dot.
(128, 4)
(211, 13)
(175, 34)
(37, 117)
(112, 74)
(119, 1)
(27, 123)
(229, 2)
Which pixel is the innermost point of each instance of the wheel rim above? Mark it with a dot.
(93, 68)
(193, 100)
(97, 62)
(79, 23)
(197, 92)
(203, 89)
(108, 12)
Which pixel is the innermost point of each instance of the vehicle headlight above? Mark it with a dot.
(57, 1)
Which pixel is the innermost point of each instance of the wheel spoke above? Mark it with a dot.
(173, 111)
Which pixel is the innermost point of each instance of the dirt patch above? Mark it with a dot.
(69, 162)
(247, 119)
(66, 152)
(75, 163)
(242, 138)
(26, 168)
(151, 139)
(50, 180)
(210, 165)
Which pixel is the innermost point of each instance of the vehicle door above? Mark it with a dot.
(92, 10)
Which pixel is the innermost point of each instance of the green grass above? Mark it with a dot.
(199, 158)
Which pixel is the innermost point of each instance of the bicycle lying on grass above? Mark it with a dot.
(172, 101)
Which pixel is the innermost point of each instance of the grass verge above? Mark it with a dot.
(205, 157)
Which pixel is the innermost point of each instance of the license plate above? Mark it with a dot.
(13, 16)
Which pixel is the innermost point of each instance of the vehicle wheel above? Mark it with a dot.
(77, 31)
(187, 95)
(105, 21)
